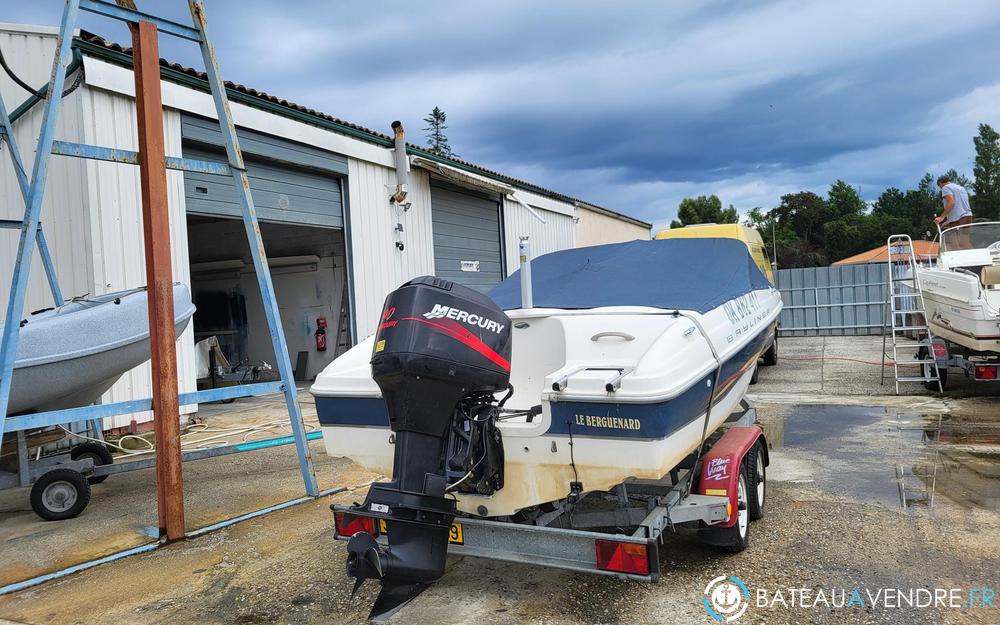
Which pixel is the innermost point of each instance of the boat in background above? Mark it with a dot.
(628, 357)
(962, 293)
(71, 355)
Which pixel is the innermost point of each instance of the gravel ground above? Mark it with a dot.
(834, 521)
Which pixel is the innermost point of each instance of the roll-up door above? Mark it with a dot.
(467, 237)
(291, 182)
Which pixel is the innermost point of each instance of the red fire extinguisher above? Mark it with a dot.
(321, 334)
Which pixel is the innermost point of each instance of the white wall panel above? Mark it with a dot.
(378, 266)
(596, 228)
(63, 212)
(557, 233)
(115, 229)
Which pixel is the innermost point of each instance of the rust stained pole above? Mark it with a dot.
(159, 280)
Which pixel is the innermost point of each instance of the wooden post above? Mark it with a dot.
(159, 280)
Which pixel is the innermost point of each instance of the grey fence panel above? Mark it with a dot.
(833, 301)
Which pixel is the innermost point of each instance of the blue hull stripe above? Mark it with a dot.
(591, 419)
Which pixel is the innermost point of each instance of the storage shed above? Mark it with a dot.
(336, 243)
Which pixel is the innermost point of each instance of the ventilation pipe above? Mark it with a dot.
(402, 166)
(524, 251)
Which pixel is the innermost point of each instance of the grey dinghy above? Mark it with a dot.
(70, 355)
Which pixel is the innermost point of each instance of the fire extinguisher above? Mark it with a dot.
(321, 334)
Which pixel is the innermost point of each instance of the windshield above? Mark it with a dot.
(971, 236)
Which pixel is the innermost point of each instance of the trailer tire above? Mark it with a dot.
(757, 482)
(925, 371)
(60, 494)
(735, 538)
(98, 452)
(771, 355)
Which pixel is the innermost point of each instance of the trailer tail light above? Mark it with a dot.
(986, 372)
(622, 557)
(350, 524)
(940, 350)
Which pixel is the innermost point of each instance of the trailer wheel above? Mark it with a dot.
(736, 538)
(925, 371)
(757, 482)
(771, 355)
(97, 452)
(60, 494)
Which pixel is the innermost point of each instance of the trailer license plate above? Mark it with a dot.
(455, 535)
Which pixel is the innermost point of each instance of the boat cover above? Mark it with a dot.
(684, 274)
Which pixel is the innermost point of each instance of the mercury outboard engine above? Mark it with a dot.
(441, 353)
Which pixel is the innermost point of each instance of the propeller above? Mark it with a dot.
(363, 561)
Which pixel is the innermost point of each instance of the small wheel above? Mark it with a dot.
(771, 355)
(98, 452)
(757, 481)
(926, 372)
(756, 373)
(60, 494)
(736, 538)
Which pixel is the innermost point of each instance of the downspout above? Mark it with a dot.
(27, 105)
(401, 162)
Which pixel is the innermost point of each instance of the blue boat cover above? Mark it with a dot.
(685, 274)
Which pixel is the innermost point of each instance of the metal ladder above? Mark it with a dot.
(904, 303)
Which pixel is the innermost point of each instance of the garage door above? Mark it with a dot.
(467, 237)
(291, 183)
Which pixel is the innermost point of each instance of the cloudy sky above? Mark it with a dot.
(632, 105)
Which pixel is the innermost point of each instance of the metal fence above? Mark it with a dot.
(833, 301)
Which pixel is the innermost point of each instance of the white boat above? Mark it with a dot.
(613, 368)
(71, 355)
(962, 292)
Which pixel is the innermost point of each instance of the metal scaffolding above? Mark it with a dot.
(153, 163)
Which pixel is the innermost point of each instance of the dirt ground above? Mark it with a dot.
(837, 519)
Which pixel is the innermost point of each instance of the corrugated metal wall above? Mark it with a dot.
(378, 266)
(63, 215)
(833, 301)
(115, 228)
(557, 233)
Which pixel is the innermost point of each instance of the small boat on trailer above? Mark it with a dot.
(610, 365)
(71, 355)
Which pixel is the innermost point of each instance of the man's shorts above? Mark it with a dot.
(961, 221)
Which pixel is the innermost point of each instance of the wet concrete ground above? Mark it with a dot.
(835, 520)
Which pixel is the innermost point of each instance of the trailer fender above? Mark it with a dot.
(720, 468)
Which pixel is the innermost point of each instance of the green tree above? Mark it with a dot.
(844, 201)
(436, 139)
(704, 209)
(986, 202)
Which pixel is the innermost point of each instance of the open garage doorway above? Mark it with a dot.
(308, 269)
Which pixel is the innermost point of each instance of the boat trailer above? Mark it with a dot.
(615, 533)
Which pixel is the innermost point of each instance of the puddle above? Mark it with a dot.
(889, 456)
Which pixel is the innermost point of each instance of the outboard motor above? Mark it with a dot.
(441, 353)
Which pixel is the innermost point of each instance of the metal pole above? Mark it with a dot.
(33, 207)
(524, 251)
(257, 251)
(159, 280)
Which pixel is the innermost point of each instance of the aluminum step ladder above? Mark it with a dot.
(906, 323)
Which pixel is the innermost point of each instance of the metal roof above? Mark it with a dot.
(95, 45)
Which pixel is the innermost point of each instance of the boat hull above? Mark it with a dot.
(958, 310)
(597, 443)
(72, 355)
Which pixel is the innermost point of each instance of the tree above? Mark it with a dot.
(704, 210)
(436, 139)
(844, 201)
(986, 171)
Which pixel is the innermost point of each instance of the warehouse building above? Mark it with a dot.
(336, 243)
